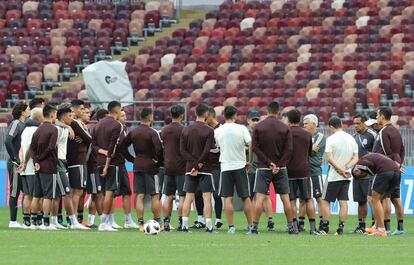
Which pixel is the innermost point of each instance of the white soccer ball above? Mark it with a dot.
(152, 227)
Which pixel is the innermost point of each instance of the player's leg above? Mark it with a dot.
(329, 194)
(15, 188)
(261, 189)
(396, 201)
(302, 214)
(306, 195)
(293, 195)
(226, 190)
(386, 204)
(378, 213)
(27, 186)
(181, 194)
(139, 190)
(360, 190)
(199, 204)
(169, 189)
(190, 187)
(343, 205)
(243, 190)
(153, 189)
(76, 184)
(267, 206)
(111, 185)
(281, 185)
(218, 203)
(207, 188)
(48, 183)
(125, 191)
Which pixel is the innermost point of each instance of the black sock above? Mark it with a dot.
(373, 221)
(39, 218)
(255, 225)
(341, 225)
(362, 223)
(218, 207)
(312, 225)
(158, 220)
(13, 208)
(46, 219)
(141, 220)
(180, 220)
(387, 224)
(167, 219)
(400, 225)
(270, 219)
(34, 218)
(199, 204)
(26, 219)
(302, 220)
(230, 226)
(68, 220)
(80, 216)
(325, 226)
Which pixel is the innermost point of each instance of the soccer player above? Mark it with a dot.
(106, 136)
(26, 169)
(64, 120)
(386, 178)
(13, 140)
(391, 145)
(174, 166)
(232, 139)
(43, 151)
(310, 123)
(195, 144)
(93, 183)
(124, 188)
(77, 150)
(300, 183)
(148, 156)
(272, 143)
(365, 138)
(253, 117)
(37, 103)
(342, 154)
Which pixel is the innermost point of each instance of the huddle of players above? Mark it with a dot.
(287, 155)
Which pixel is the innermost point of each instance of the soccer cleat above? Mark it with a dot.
(231, 231)
(34, 227)
(115, 226)
(52, 227)
(315, 233)
(179, 228)
(398, 233)
(15, 225)
(63, 223)
(322, 233)
(171, 227)
(43, 227)
(111, 229)
(370, 230)
(167, 227)
(339, 232)
(359, 230)
(79, 227)
(198, 225)
(211, 231)
(301, 228)
(132, 224)
(185, 230)
(92, 226)
(376, 232)
(103, 227)
(24, 226)
(292, 231)
(219, 225)
(253, 232)
(270, 226)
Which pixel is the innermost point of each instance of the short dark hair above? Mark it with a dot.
(77, 103)
(212, 112)
(100, 114)
(273, 107)
(177, 111)
(386, 112)
(145, 113)
(18, 110)
(48, 110)
(201, 109)
(361, 116)
(229, 112)
(293, 116)
(112, 105)
(35, 102)
(373, 115)
(335, 122)
(62, 111)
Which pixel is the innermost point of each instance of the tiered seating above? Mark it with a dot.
(325, 57)
(44, 42)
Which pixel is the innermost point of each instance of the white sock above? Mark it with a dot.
(200, 219)
(103, 218)
(128, 218)
(381, 229)
(110, 219)
(185, 222)
(73, 219)
(54, 220)
(209, 224)
(218, 220)
(91, 219)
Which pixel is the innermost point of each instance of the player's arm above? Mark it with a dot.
(13, 153)
(287, 151)
(156, 141)
(310, 150)
(207, 147)
(332, 163)
(124, 148)
(187, 156)
(51, 146)
(79, 132)
(257, 150)
(33, 149)
(71, 132)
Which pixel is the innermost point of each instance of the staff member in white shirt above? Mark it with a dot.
(342, 154)
(232, 139)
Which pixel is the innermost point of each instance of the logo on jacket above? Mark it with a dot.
(110, 80)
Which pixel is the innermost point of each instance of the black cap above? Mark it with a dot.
(253, 114)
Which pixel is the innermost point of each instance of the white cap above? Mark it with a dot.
(312, 118)
(371, 122)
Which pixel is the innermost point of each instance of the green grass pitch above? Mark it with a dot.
(131, 247)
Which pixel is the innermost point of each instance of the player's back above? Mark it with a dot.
(170, 136)
(298, 166)
(142, 141)
(106, 132)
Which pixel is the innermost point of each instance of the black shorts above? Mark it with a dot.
(49, 186)
(147, 184)
(300, 188)
(203, 182)
(264, 177)
(360, 189)
(94, 183)
(173, 184)
(336, 190)
(28, 184)
(15, 182)
(386, 183)
(37, 191)
(63, 183)
(231, 178)
(77, 176)
(124, 185)
(111, 181)
(317, 185)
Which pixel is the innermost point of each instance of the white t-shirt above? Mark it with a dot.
(231, 139)
(26, 137)
(62, 142)
(343, 147)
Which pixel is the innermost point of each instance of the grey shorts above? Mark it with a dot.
(300, 188)
(264, 177)
(77, 176)
(336, 190)
(111, 181)
(63, 183)
(173, 184)
(49, 186)
(37, 191)
(28, 184)
(147, 184)
(203, 181)
(124, 185)
(386, 183)
(360, 189)
(93, 183)
(230, 179)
